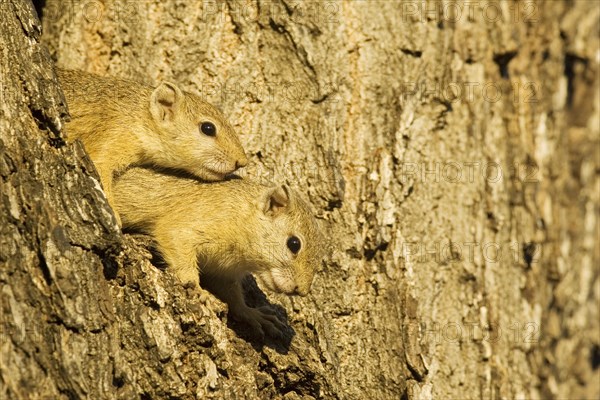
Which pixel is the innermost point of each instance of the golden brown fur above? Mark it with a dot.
(221, 231)
(123, 123)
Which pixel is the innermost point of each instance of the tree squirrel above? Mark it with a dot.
(221, 231)
(123, 123)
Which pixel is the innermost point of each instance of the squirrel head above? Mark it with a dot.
(195, 136)
(292, 244)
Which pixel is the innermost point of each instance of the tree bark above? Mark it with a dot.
(450, 148)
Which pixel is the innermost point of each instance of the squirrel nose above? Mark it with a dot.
(300, 292)
(242, 162)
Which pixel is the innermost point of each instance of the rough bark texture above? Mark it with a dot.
(451, 149)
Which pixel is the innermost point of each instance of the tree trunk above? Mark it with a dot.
(450, 148)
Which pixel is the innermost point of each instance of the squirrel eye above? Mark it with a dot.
(208, 128)
(293, 243)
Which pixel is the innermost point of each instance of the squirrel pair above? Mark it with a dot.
(205, 227)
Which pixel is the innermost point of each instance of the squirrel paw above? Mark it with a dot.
(263, 320)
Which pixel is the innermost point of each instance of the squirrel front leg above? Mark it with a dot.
(180, 256)
(230, 291)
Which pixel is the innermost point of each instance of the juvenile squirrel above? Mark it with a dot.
(123, 123)
(220, 231)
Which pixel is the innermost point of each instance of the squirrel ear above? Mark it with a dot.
(164, 101)
(278, 200)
